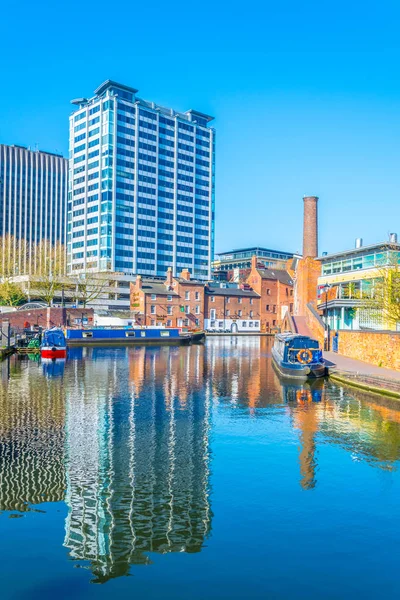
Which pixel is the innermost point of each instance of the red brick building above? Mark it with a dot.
(174, 302)
(231, 308)
(275, 288)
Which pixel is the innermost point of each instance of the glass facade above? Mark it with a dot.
(368, 260)
(33, 198)
(141, 187)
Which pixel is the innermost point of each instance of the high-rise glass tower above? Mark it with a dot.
(33, 200)
(141, 186)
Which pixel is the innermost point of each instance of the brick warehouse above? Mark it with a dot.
(275, 289)
(173, 302)
(257, 305)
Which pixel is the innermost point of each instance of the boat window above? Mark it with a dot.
(304, 343)
(87, 334)
(143, 334)
(130, 333)
(164, 333)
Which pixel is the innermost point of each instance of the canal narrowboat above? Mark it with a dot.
(297, 356)
(53, 344)
(126, 336)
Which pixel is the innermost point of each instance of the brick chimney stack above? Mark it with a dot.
(139, 282)
(169, 277)
(310, 227)
(185, 274)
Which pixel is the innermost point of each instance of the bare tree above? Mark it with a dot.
(48, 270)
(90, 286)
(14, 256)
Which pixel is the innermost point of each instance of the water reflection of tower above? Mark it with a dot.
(32, 415)
(304, 402)
(138, 459)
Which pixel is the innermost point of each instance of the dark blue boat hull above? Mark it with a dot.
(298, 370)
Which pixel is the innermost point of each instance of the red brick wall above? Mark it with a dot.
(232, 306)
(47, 317)
(307, 273)
(379, 348)
(274, 295)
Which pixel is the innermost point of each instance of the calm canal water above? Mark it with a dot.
(193, 473)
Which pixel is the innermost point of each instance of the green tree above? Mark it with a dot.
(11, 294)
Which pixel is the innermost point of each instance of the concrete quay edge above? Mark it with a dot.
(373, 389)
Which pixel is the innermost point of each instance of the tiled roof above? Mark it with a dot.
(231, 292)
(156, 287)
(276, 274)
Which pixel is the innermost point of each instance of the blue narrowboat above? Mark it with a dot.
(297, 356)
(107, 336)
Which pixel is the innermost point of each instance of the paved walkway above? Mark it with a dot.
(358, 367)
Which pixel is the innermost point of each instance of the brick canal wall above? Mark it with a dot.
(378, 348)
(48, 317)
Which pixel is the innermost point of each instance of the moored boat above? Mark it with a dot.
(53, 344)
(297, 356)
(127, 336)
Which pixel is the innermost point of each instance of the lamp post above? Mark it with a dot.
(326, 289)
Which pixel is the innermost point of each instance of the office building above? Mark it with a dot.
(141, 186)
(33, 200)
(236, 264)
(347, 283)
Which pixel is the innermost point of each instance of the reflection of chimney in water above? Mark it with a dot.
(306, 419)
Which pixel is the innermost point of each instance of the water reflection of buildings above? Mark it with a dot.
(137, 461)
(31, 437)
(240, 372)
(325, 413)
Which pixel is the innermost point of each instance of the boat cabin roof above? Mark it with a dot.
(289, 337)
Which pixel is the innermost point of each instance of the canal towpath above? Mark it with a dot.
(363, 375)
(356, 372)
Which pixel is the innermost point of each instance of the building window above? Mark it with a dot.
(169, 323)
(169, 310)
(256, 324)
(273, 323)
(212, 298)
(152, 309)
(186, 322)
(228, 299)
(287, 292)
(153, 322)
(250, 323)
(240, 300)
(239, 313)
(251, 300)
(274, 309)
(197, 322)
(267, 307)
(251, 314)
(220, 324)
(212, 314)
(187, 295)
(291, 308)
(244, 323)
(153, 297)
(197, 309)
(291, 292)
(228, 312)
(268, 292)
(187, 309)
(197, 295)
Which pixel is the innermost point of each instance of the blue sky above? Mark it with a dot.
(306, 98)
